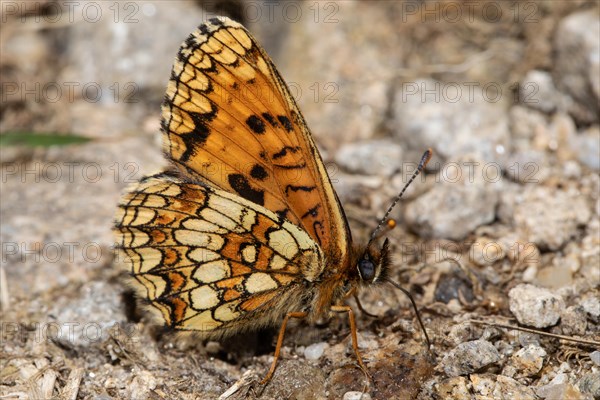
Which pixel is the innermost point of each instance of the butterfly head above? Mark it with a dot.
(373, 263)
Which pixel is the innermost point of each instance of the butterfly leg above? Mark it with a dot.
(348, 309)
(280, 342)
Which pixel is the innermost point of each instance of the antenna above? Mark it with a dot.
(424, 160)
(406, 292)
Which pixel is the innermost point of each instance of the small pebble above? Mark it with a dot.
(470, 357)
(462, 332)
(533, 306)
(528, 361)
(490, 386)
(485, 251)
(595, 357)
(358, 157)
(530, 273)
(559, 379)
(315, 351)
(213, 347)
(142, 386)
(558, 392)
(591, 305)
(483, 384)
(454, 388)
(547, 217)
(572, 169)
(540, 83)
(590, 383)
(508, 388)
(491, 334)
(452, 210)
(586, 145)
(555, 276)
(573, 321)
(356, 396)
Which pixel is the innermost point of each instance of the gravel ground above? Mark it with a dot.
(499, 241)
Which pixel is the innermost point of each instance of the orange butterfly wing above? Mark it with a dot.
(229, 120)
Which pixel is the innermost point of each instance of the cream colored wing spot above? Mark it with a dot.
(227, 312)
(134, 238)
(201, 322)
(149, 258)
(235, 39)
(209, 241)
(261, 65)
(278, 262)
(212, 271)
(155, 285)
(260, 282)
(248, 219)
(135, 200)
(245, 72)
(284, 243)
(154, 200)
(195, 56)
(180, 122)
(249, 254)
(220, 53)
(233, 210)
(188, 100)
(129, 257)
(204, 298)
(166, 189)
(220, 219)
(192, 77)
(200, 225)
(304, 241)
(201, 255)
(144, 216)
(123, 213)
(135, 216)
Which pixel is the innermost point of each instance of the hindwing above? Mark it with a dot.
(207, 259)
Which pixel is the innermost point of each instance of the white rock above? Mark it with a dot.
(577, 60)
(470, 357)
(573, 321)
(537, 91)
(591, 305)
(356, 396)
(452, 210)
(315, 350)
(533, 306)
(548, 217)
(590, 383)
(595, 357)
(426, 111)
(373, 157)
(528, 361)
(586, 146)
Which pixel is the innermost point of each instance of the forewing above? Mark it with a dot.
(207, 259)
(229, 119)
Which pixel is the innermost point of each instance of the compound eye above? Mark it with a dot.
(366, 269)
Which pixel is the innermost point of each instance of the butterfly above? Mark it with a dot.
(245, 229)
